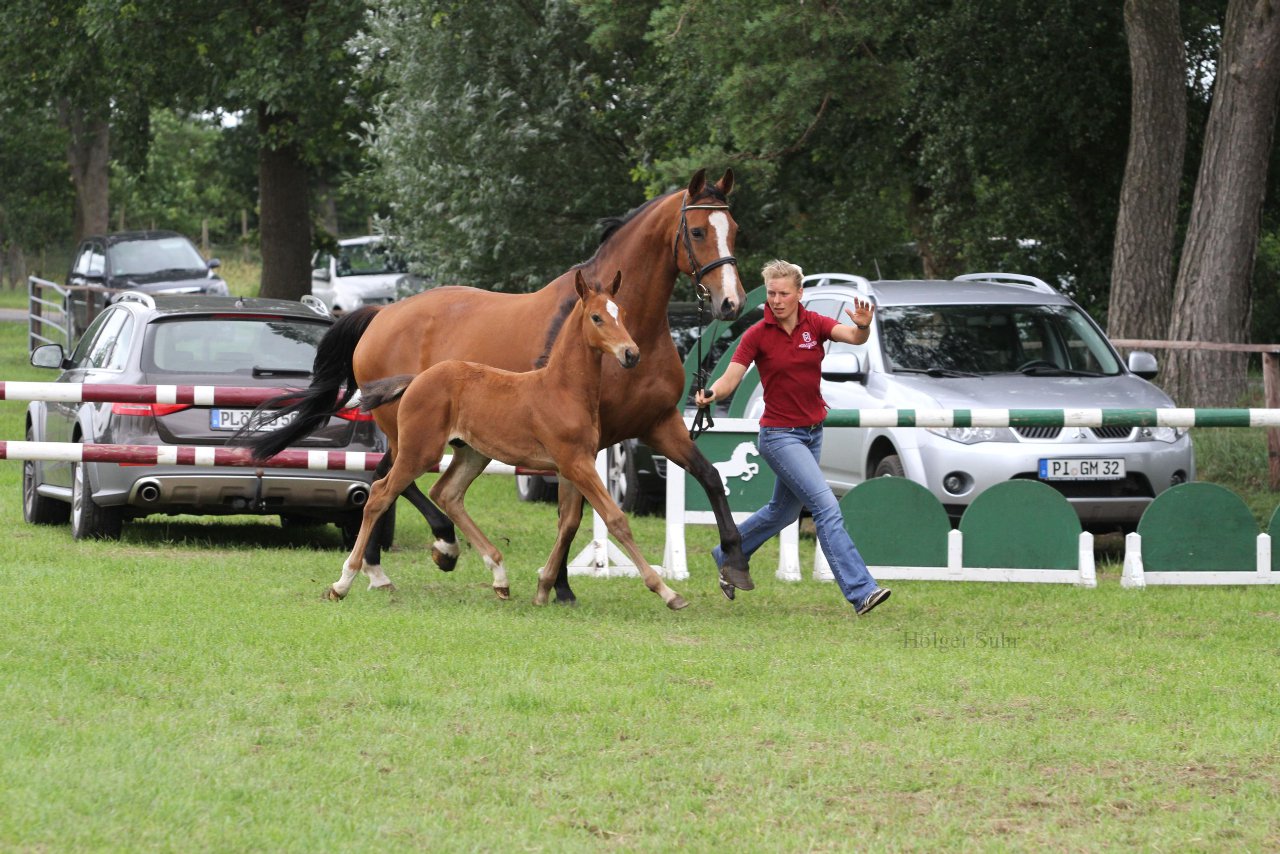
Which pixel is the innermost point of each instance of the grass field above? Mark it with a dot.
(187, 689)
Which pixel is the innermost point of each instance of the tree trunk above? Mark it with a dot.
(1142, 260)
(284, 209)
(88, 157)
(1212, 296)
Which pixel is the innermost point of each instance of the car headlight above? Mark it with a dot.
(974, 435)
(1160, 434)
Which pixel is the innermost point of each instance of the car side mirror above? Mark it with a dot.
(321, 273)
(1143, 364)
(214, 263)
(844, 367)
(48, 356)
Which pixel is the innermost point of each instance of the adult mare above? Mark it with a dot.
(688, 231)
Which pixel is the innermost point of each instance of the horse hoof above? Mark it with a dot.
(333, 595)
(445, 562)
(504, 593)
(389, 588)
(566, 598)
(677, 603)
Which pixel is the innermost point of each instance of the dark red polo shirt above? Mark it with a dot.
(790, 367)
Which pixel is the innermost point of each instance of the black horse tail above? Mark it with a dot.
(333, 384)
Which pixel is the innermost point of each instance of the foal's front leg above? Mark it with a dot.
(583, 474)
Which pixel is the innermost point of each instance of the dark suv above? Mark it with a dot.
(157, 262)
(172, 340)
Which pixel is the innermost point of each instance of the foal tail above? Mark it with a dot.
(384, 391)
(333, 383)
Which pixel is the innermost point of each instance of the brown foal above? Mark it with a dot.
(542, 419)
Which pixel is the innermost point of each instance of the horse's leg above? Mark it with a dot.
(670, 437)
(556, 568)
(582, 473)
(381, 495)
(449, 492)
(444, 551)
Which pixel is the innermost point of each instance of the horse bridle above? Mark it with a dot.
(682, 233)
(702, 419)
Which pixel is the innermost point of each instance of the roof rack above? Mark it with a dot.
(1008, 279)
(315, 304)
(137, 296)
(860, 282)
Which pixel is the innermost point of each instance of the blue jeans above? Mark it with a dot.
(793, 453)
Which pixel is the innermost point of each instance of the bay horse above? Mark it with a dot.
(652, 245)
(546, 418)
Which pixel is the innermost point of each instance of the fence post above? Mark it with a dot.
(1271, 390)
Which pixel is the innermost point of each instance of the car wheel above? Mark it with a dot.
(90, 520)
(890, 466)
(533, 487)
(38, 509)
(621, 477)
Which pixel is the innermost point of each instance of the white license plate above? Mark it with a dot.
(1082, 469)
(235, 419)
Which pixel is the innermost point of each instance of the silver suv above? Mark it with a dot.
(183, 341)
(995, 341)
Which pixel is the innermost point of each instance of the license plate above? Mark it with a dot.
(235, 419)
(1082, 469)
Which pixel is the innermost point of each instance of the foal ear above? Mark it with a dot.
(617, 280)
(726, 181)
(579, 284)
(697, 182)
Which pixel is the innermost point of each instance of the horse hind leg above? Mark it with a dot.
(556, 567)
(444, 551)
(571, 498)
(381, 495)
(449, 492)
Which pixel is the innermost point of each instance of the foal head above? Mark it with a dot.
(602, 320)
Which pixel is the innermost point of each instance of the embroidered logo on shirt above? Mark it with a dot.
(806, 341)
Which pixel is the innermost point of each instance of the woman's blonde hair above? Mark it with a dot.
(779, 269)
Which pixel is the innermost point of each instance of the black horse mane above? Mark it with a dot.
(611, 225)
(553, 331)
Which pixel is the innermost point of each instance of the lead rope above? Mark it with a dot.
(702, 420)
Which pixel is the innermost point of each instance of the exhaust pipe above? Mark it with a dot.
(148, 491)
(358, 496)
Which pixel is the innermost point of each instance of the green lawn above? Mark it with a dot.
(187, 689)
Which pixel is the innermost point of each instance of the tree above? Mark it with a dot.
(502, 138)
(283, 65)
(1142, 261)
(1212, 294)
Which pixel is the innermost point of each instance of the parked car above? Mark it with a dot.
(635, 475)
(362, 271)
(156, 262)
(995, 341)
(201, 340)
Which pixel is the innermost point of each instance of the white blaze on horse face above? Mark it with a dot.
(612, 308)
(719, 222)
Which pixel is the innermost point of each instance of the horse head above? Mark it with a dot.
(704, 243)
(603, 325)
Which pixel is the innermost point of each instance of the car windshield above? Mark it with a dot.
(1040, 340)
(232, 345)
(368, 259)
(140, 257)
